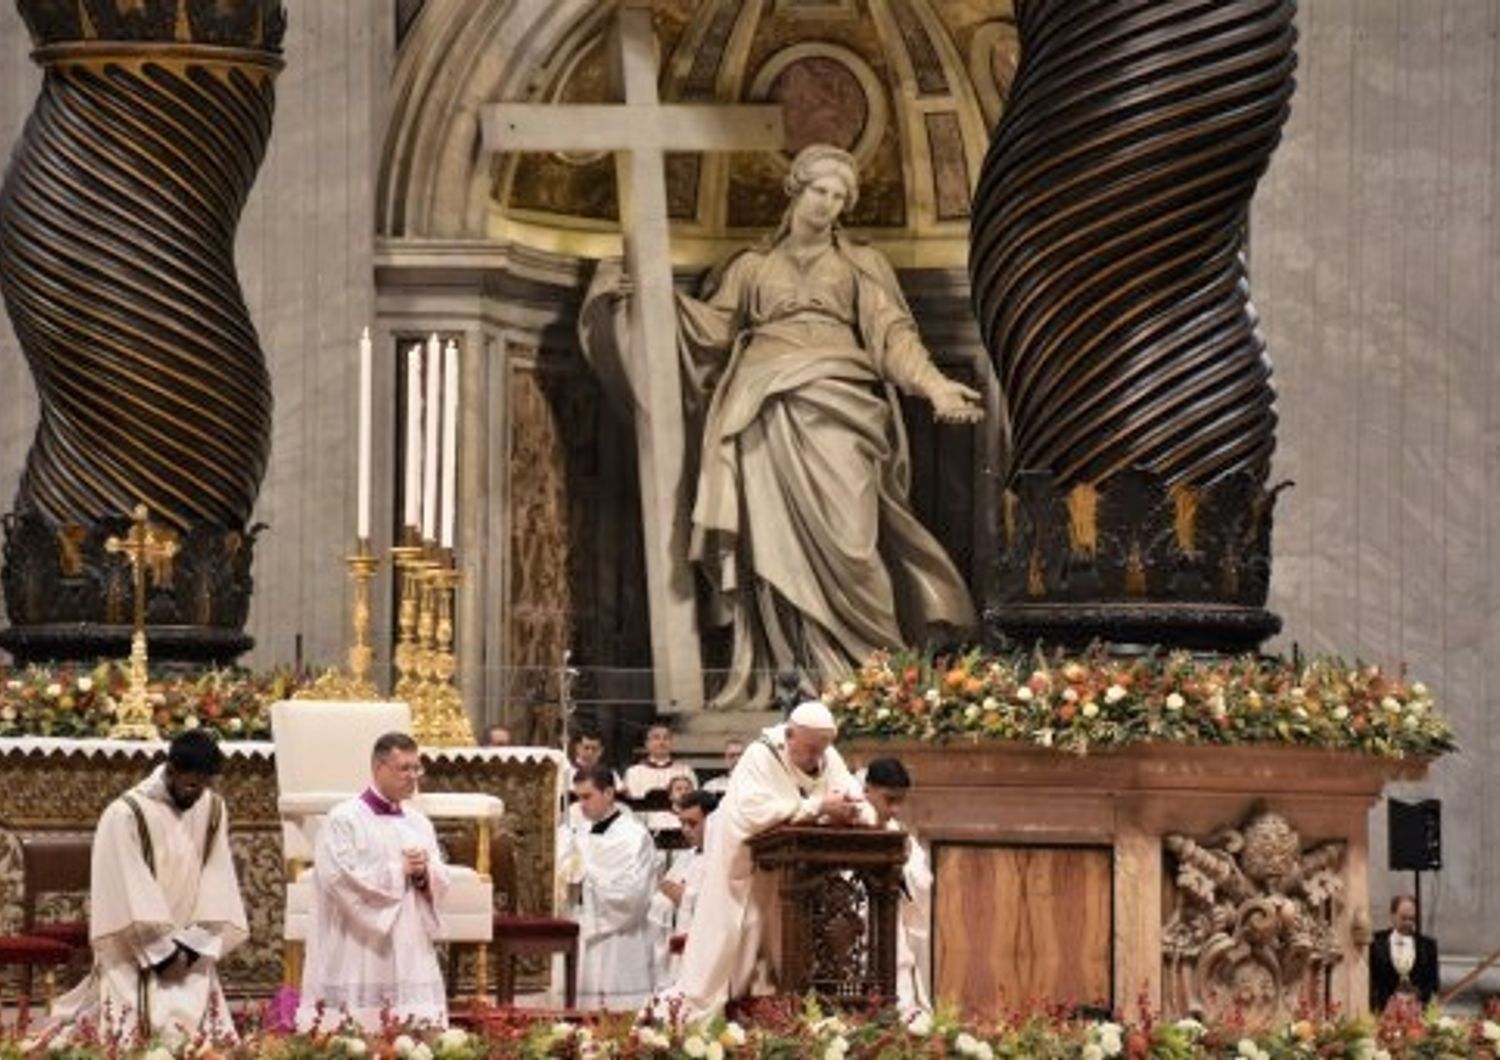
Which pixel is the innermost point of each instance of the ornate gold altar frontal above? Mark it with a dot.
(64, 785)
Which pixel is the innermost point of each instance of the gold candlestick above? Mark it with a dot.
(334, 684)
(407, 560)
(439, 719)
(146, 547)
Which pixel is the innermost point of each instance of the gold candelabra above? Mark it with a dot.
(410, 564)
(150, 548)
(438, 717)
(353, 683)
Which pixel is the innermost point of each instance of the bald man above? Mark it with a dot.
(791, 774)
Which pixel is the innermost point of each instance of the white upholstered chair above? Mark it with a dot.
(322, 758)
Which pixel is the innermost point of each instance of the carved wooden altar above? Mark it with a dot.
(837, 893)
(64, 785)
(1208, 881)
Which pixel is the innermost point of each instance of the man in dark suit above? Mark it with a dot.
(1401, 960)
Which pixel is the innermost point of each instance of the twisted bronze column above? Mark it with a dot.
(1110, 283)
(117, 227)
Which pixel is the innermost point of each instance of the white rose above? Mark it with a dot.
(1390, 705)
(847, 688)
(54, 690)
(1188, 1025)
(1411, 721)
(560, 1029)
(1091, 709)
(404, 1043)
(1091, 1051)
(991, 703)
(1299, 712)
(1491, 1030)
(158, 1054)
(1115, 693)
(1070, 695)
(1044, 737)
(971, 712)
(1175, 701)
(932, 695)
(8, 713)
(985, 1051)
(13, 685)
(715, 1051)
(695, 1046)
(733, 1034)
(355, 1046)
(1111, 1039)
(1024, 694)
(1446, 1023)
(1340, 712)
(85, 684)
(234, 724)
(1419, 689)
(420, 1051)
(190, 722)
(920, 1024)
(836, 1049)
(966, 1044)
(1296, 693)
(1217, 705)
(453, 1038)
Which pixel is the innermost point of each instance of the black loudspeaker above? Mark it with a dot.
(1416, 835)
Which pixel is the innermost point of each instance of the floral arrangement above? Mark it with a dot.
(785, 1029)
(1095, 700)
(81, 703)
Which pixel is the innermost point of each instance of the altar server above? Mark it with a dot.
(611, 870)
(657, 773)
(676, 897)
(886, 784)
(379, 875)
(164, 906)
(792, 773)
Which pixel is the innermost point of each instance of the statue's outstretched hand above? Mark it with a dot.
(953, 402)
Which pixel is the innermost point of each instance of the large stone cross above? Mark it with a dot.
(640, 132)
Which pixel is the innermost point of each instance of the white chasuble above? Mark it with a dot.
(735, 903)
(616, 867)
(159, 878)
(370, 949)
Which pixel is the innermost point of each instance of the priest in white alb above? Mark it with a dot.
(611, 873)
(378, 876)
(164, 907)
(676, 897)
(886, 785)
(792, 773)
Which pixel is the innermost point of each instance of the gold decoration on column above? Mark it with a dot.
(150, 548)
(438, 717)
(353, 683)
(408, 561)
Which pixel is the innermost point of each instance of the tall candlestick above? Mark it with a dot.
(450, 441)
(413, 493)
(363, 505)
(433, 368)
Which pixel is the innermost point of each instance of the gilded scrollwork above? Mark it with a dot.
(1252, 935)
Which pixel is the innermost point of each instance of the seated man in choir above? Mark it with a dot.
(886, 784)
(497, 736)
(733, 748)
(379, 875)
(671, 912)
(1403, 961)
(792, 774)
(610, 870)
(656, 773)
(164, 906)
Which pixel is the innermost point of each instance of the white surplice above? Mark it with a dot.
(669, 919)
(914, 937)
(614, 862)
(735, 903)
(645, 777)
(370, 946)
(149, 891)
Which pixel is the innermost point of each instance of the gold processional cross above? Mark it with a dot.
(150, 549)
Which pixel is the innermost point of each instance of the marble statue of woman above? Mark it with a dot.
(801, 519)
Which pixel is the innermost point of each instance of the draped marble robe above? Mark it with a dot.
(735, 903)
(801, 519)
(148, 891)
(370, 948)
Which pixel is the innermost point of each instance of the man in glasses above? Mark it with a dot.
(379, 875)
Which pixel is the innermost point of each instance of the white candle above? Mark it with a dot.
(450, 441)
(413, 493)
(433, 368)
(363, 505)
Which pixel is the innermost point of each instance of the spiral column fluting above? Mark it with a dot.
(1109, 279)
(117, 229)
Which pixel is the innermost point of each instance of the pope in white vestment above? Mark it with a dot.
(792, 773)
(164, 906)
(379, 874)
(612, 872)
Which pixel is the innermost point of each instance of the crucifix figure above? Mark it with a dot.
(640, 132)
(149, 549)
